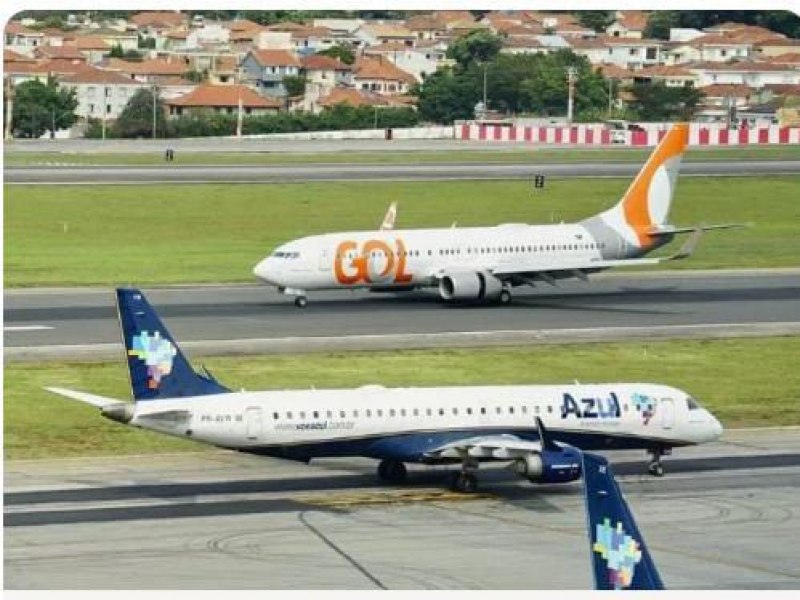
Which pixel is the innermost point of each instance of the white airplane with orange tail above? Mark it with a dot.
(485, 263)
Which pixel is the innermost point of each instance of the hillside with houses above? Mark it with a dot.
(198, 66)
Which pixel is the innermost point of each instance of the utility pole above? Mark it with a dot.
(239, 116)
(610, 95)
(572, 76)
(485, 106)
(9, 109)
(105, 112)
(154, 109)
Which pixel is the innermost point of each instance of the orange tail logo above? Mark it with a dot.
(646, 203)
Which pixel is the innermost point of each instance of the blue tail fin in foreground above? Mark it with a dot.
(620, 559)
(158, 369)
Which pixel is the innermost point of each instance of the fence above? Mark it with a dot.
(594, 135)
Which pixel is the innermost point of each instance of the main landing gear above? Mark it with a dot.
(392, 471)
(505, 296)
(301, 302)
(655, 468)
(465, 481)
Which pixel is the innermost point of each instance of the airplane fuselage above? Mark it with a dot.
(403, 423)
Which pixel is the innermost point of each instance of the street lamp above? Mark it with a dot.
(155, 91)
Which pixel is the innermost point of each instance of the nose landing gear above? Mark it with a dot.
(301, 302)
(655, 468)
(392, 471)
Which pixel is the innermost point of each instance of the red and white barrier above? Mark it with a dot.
(596, 135)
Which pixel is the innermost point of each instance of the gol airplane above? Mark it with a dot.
(485, 263)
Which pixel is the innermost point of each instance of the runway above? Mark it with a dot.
(361, 172)
(724, 517)
(255, 319)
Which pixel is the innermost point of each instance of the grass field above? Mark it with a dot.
(469, 154)
(38, 424)
(176, 233)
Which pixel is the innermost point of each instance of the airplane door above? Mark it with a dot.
(667, 409)
(253, 417)
(325, 260)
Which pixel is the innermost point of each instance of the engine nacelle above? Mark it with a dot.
(549, 467)
(470, 286)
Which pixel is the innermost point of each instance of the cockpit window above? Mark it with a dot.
(285, 255)
(692, 403)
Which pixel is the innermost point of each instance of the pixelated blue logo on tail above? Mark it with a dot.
(157, 353)
(620, 551)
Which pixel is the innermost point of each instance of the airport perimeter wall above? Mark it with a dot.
(443, 132)
(597, 135)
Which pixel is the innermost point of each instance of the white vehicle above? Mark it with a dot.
(485, 263)
(435, 425)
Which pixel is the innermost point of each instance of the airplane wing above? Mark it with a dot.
(501, 447)
(94, 400)
(546, 270)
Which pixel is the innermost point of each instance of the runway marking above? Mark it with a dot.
(11, 328)
(393, 497)
(378, 583)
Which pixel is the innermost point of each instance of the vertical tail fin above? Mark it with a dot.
(157, 367)
(620, 559)
(646, 203)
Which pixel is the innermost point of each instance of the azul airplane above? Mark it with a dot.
(485, 263)
(436, 425)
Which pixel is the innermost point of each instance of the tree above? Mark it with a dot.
(659, 102)
(116, 51)
(341, 51)
(478, 46)
(136, 119)
(598, 20)
(659, 22)
(295, 85)
(447, 95)
(196, 76)
(40, 107)
(146, 42)
(132, 55)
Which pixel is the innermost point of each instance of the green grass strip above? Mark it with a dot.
(144, 235)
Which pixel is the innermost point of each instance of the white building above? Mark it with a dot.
(101, 94)
(749, 73)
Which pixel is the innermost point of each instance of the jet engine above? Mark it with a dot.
(549, 466)
(470, 286)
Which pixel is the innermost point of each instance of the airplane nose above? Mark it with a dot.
(714, 428)
(264, 272)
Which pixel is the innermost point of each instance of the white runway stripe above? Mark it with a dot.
(26, 327)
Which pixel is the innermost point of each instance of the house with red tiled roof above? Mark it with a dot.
(147, 71)
(20, 71)
(378, 74)
(670, 75)
(22, 39)
(632, 53)
(754, 74)
(10, 56)
(524, 45)
(101, 94)
(266, 70)
(224, 99)
(776, 46)
(426, 26)
(150, 22)
(628, 24)
(356, 98)
(373, 33)
(93, 48)
(68, 52)
(612, 71)
(323, 74)
(573, 30)
(788, 59)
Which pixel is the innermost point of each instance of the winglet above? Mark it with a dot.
(545, 438)
(620, 558)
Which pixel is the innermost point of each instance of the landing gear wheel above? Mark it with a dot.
(301, 302)
(505, 296)
(465, 483)
(656, 469)
(392, 471)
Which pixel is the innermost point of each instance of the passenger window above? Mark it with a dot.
(302, 414)
(402, 412)
(524, 410)
(549, 408)
(441, 412)
(379, 412)
(355, 414)
(369, 413)
(330, 415)
(428, 412)
(416, 412)
(469, 411)
(289, 415)
(536, 409)
(511, 410)
(316, 414)
(391, 412)
(483, 410)
(498, 410)
(342, 414)
(275, 416)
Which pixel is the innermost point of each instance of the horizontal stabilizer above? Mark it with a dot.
(98, 401)
(671, 229)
